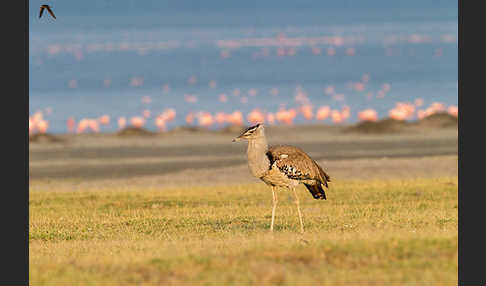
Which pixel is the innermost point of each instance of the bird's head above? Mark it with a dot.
(252, 132)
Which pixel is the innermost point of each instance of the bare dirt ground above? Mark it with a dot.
(205, 157)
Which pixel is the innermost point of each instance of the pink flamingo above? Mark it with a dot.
(93, 124)
(190, 98)
(365, 78)
(42, 125)
(350, 51)
(222, 98)
(338, 97)
(146, 113)
(137, 121)
(82, 125)
(122, 122)
(54, 49)
(301, 97)
(73, 83)
(329, 90)
(323, 112)
(88, 123)
(453, 110)
(220, 118)
(433, 108)
(235, 118)
(271, 118)
(291, 51)
(192, 80)
(437, 106)
(307, 111)
(419, 102)
(368, 115)
(169, 114)
(274, 91)
(421, 114)
(165, 88)
(386, 87)
(205, 119)
(104, 119)
(70, 124)
(338, 40)
(286, 116)
(448, 38)
(136, 81)
(398, 114)
(256, 116)
(107, 82)
(403, 110)
(225, 54)
(160, 123)
(236, 92)
(190, 118)
(358, 86)
(146, 99)
(31, 126)
(336, 116)
(345, 112)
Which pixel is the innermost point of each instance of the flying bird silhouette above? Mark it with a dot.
(42, 7)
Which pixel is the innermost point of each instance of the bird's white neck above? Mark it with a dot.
(258, 162)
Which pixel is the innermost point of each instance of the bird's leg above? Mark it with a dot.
(298, 209)
(275, 201)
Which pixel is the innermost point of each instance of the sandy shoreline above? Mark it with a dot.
(211, 158)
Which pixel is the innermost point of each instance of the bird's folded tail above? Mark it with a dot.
(317, 191)
(323, 176)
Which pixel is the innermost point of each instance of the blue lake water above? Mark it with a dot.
(82, 64)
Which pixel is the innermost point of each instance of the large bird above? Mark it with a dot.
(283, 166)
(42, 7)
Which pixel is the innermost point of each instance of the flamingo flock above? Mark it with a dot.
(284, 116)
(37, 123)
(280, 45)
(283, 44)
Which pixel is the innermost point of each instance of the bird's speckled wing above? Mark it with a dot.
(296, 164)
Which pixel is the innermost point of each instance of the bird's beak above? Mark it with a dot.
(237, 139)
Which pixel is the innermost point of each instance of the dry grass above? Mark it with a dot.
(378, 232)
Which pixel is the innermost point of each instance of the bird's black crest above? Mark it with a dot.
(252, 128)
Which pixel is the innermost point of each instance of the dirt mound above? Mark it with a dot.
(183, 129)
(44, 138)
(437, 120)
(135, 131)
(378, 127)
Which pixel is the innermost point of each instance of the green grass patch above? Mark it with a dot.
(377, 232)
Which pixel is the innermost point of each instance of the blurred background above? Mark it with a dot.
(104, 65)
